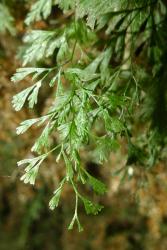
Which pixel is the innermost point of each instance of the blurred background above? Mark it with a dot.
(134, 215)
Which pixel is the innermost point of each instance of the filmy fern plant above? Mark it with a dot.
(106, 65)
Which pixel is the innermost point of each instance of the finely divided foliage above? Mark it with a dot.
(6, 20)
(97, 88)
